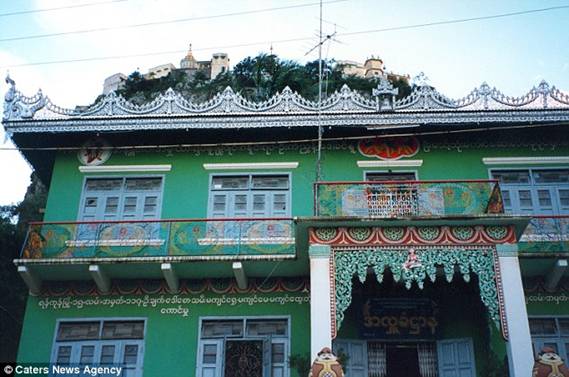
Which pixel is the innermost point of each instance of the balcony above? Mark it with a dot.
(249, 238)
(393, 199)
(546, 235)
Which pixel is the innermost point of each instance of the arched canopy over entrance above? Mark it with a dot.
(415, 265)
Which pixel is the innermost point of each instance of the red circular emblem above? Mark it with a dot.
(389, 148)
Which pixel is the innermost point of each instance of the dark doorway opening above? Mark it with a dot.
(244, 358)
(402, 361)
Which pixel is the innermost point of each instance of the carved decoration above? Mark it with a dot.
(17, 106)
(477, 260)
(412, 261)
(423, 98)
(413, 235)
(385, 95)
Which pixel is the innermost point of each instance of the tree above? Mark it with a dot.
(13, 227)
(256, 78)
(12, 294)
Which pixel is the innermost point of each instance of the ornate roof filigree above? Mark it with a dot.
(424, 100)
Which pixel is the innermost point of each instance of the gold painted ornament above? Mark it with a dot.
(549, 364)
(326, 364)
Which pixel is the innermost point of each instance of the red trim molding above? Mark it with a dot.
(413, 235)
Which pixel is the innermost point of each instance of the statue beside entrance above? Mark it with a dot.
(549, 364)
(326, 364)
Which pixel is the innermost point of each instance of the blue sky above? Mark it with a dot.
(512, 54)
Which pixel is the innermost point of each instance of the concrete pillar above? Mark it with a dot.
(171, 277)
(31, 280)
(240, 275)
(320, 291)
(556, 274)
(520, 353)
(101, 278)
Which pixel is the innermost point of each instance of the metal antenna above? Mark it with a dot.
(319, 159)
(321, 41)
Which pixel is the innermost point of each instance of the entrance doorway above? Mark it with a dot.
(244, 358)
(374, 358)
(243, 347)
(402, 360)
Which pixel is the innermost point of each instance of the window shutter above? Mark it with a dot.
(356, 350)
(210, 358)
(456, 358)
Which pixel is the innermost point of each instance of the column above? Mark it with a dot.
(520, 354)
(320, 291)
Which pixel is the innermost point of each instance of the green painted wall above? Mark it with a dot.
(186, 185)
(171, 340)
(547, 303)
(185, 196)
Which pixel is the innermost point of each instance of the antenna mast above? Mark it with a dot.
(319, 158)
(320, 128)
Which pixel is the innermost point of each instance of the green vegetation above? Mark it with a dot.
(256, 79)
(300, 363)
(13, 292)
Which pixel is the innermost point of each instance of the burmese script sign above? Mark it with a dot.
(556, 298)
(395, 318)
(180, 305)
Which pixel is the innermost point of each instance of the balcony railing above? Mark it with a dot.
(546, 234)
(388, 199)
(152, 238)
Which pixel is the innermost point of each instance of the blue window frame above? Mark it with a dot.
(218, 335)
(534, 191)
(121, 198)
(246, 196)
(101, 343)
(249, 195)
(550, 332)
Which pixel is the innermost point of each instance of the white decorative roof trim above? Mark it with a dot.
(79, 261)
(525, 160)
(423, 98)
(251, 166)
(125, 168)
(389, 164)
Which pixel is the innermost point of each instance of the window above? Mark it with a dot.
(534, 191)
(121, 199)
(98, 342)
(393, 199)
(550, 332)
(249, 196)
(257, 347)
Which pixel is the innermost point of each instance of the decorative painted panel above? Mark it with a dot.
(205, 238)
(407, 198)
(546, 235)
(389, 148)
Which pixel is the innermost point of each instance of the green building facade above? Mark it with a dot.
(424, 236)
